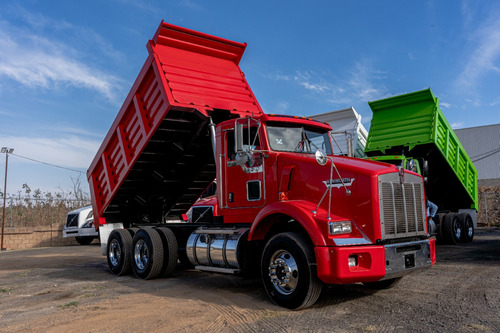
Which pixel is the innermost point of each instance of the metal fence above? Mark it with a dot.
(489, 209)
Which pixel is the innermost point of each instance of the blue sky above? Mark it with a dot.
(66, 66)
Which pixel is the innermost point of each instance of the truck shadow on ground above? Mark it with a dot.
(80, 265)
(211, 288)
(484, 249)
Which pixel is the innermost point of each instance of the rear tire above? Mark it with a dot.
(119, 249)
(467, 227)
(452, 229)
(439, 220)
(288, 270)
(147, 254)
(132, 231)
(170, 250)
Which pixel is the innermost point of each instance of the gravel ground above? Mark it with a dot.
(70, 289)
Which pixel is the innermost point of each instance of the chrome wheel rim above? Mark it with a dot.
(470, 232)
(115, 252)
(283, 272)
(141, 254)
(458, 231)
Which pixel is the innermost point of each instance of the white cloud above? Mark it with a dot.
(36, 61)
(65, 151)
(190, 4)
(445, 105)
(457, 125)
(474, 102)
(361, 84)
(305, 80)
(281, 107)
(485, 55)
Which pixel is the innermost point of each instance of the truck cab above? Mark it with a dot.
(80, 224)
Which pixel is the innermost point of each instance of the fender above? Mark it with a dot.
(299, 210)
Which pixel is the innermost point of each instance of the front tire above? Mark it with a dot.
(84, 240)
(288, 269)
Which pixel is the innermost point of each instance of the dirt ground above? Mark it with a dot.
(70, 289)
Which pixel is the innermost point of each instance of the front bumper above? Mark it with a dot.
(79, 232)
(373, 262)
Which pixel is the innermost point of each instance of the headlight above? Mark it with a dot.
(342, 227)
(88, 224)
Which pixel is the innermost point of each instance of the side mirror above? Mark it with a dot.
(238, 137)
(412, 165)
(320, 157)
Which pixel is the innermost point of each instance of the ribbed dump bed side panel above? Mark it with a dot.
(413, 124)
(157, 157)
(203, 71)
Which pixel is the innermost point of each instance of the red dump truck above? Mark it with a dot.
(286, 206)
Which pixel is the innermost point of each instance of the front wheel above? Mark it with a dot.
(84, 240)
(288, 269)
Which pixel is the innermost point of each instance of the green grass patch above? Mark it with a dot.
(73, 304)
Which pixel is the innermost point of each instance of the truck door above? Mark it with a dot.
(244, 183)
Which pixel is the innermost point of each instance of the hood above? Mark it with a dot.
(306, 180)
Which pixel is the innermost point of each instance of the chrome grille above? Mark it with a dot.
(72, 220)
(402, 206)
(202, 214)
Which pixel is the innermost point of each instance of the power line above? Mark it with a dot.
(484, 155)
(50, 164)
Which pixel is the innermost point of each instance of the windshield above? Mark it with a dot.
(397, 163)
(298, 139)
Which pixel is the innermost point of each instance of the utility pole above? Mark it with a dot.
(5, 151)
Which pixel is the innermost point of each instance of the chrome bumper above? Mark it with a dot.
(404, 258)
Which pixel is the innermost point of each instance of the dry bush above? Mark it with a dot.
(489, 203)
(33, 208)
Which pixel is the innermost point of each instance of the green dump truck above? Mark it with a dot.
(411, 131)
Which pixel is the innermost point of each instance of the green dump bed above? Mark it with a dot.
(414, 125)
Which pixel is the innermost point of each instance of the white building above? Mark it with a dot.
(482, 144)
(346, 124)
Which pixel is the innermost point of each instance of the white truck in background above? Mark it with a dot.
(80, 224)
(348, 133)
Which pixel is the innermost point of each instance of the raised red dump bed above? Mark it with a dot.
(157, 157)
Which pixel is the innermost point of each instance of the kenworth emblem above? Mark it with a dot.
(337, 183)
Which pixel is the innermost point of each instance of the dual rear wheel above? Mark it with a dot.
(456, 228)
(148, 252)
